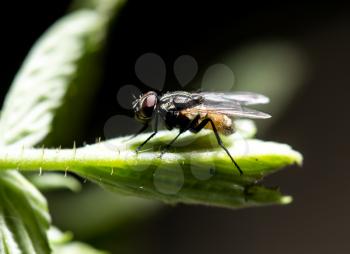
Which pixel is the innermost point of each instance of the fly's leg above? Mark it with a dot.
(151, 136)
(189, 126)
(167, 147)
(200, 126)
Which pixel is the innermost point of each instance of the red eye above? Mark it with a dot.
(147, 105)
(149, 102)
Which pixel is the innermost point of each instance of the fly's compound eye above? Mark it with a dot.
(144, 106)
(149, 101)
(148, 105)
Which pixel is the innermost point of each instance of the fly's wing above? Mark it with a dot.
(229, 108)
(244, 98)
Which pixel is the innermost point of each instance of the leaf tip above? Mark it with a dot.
(285, 200)
(297, 157)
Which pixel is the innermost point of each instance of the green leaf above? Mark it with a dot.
(41, 97)
(57, 237)
(50, 77)
(61, 244)
(24, 216)
(76, 248)
(54, 181)
(196, 171)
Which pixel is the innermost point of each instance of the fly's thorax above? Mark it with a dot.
(179, 100)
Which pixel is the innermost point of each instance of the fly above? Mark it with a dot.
(194, 111)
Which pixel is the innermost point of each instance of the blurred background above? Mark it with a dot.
(298, 55)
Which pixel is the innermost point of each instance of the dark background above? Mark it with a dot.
(315, 123)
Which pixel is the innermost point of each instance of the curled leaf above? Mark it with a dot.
(195, 171)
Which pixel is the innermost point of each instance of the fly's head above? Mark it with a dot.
(144, 106)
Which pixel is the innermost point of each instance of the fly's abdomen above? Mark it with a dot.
(223, 124)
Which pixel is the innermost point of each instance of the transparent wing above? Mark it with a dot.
(229, 108)
(244, 98)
